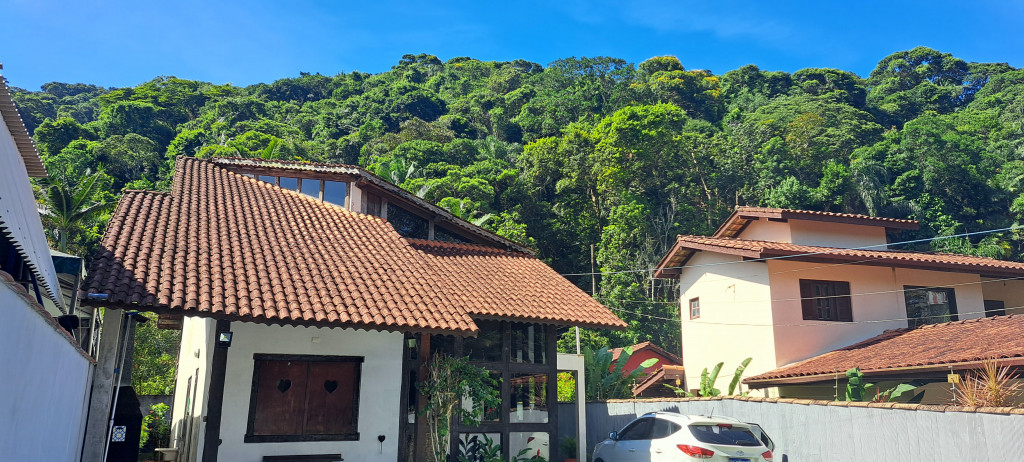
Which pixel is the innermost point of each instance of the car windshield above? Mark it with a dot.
(727, 435)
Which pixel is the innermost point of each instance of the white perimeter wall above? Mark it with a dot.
(877, 300)
(379, 390)
(43, 393)
(735, 317)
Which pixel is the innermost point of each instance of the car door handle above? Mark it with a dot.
(658, 451)
(632, 450)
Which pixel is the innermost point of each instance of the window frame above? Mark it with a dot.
(841, 310)
(950, 302)
(692, 300)
(260, 358)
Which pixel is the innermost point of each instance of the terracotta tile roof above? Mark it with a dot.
(26, 147)
(686, 246)
(743, 215)
(225, 245)
(961, 344)
(366, 178)
(506, 284)
(653, 382)
(647, 346)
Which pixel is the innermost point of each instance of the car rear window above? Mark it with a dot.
(732, 436)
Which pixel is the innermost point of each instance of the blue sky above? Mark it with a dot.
(123, 43)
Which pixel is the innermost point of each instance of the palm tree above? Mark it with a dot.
(68, 207)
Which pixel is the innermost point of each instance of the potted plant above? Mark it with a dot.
(568, 447)
(450, 382)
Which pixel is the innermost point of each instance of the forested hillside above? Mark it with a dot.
(582, 152)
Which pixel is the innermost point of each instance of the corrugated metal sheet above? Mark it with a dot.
(19, 217)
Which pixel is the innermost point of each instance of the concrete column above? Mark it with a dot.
(111, 337)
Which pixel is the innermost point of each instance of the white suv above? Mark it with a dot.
(668, 436)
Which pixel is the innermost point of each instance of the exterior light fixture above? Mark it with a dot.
(224, 339)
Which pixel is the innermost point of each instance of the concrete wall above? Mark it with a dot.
(819, 233)
(195, 355)
(834, 431)
(379, 390)
(44, 393)
(1010, 292)
(878, 304)
(837, 234)
(735, 316)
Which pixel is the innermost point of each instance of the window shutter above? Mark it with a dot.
(281, 398)
(807, 299)
(332, 398)
(844, 306)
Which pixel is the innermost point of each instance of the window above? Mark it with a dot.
(288, 183)
(529, 398)
(640, 429)
(929, 305)
(304, 398)
(995, 308)
(335, 192)
(443, 235)
(529, 343)
(724, 434)
(825, 300)
(407, 223)
(310, 187)
(663, 428)
(694, 308)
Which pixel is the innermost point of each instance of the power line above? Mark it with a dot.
(860, 294)
(868, 247)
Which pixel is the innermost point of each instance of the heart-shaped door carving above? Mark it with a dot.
(330, 385)
(283, 385)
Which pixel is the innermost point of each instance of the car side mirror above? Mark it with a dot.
(614, 436)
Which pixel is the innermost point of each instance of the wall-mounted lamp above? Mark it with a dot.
(224, 339)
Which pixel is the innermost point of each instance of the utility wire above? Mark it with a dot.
(782, 257)
(860, 294)
(816, 323)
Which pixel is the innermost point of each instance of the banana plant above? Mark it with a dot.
(607, 379)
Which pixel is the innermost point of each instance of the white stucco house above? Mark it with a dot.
(782, 286)
(44, 395)
(311, 295)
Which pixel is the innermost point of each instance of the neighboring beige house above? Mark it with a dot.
(782, 286)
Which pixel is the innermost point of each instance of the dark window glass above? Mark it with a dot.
(268, 179)
(442, 344)
(535, 446)
(486, 346)
(298, 398)
(826, 300)
(491, 414)
(995, 308)
(289, 183)
(640, 429)
(929, 305)
(335, 192)
(407, 223)
(529, 343)
(528, 400)
(726, 435)
(440, 234)
(310, 188)
(663, 428)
